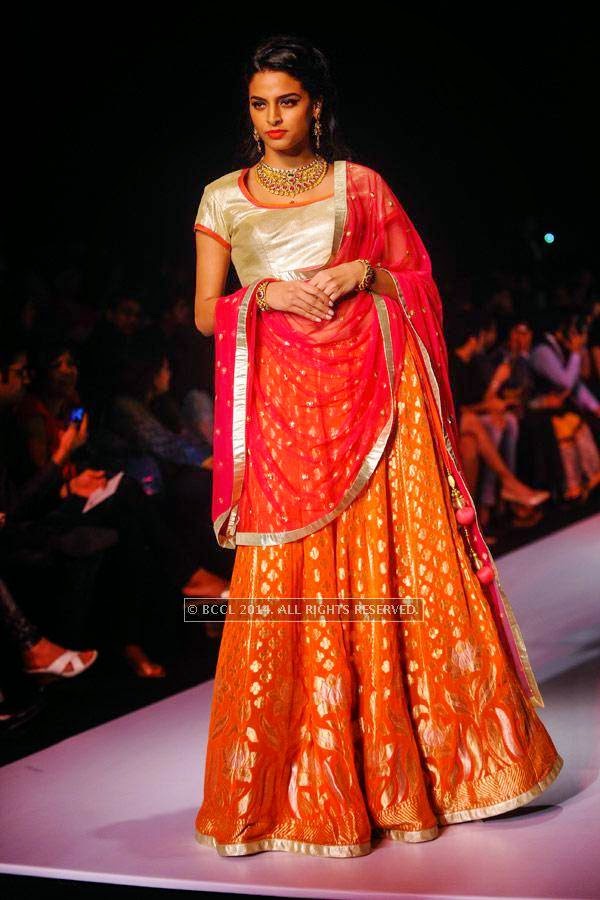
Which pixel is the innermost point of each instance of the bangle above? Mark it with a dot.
(368, 278)
(261, 290)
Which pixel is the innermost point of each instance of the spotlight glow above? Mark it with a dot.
(549, 237)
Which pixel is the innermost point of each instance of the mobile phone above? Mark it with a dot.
(77, 414)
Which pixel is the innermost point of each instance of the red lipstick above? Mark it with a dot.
(277, 132)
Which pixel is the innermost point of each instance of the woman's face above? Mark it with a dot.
(519, 339)
(279, 102)
(62, 374)
(17, 378)
(490, 336)
(126, 317)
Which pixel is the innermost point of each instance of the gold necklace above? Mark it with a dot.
(289, 182)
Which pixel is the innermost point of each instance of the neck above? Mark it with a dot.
(290, 159)
(54, 403)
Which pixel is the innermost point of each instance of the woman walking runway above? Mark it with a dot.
(339, 714)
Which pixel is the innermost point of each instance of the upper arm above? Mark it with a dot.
(213, 252)
(212, 266)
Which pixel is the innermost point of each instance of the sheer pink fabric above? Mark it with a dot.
(305, 408)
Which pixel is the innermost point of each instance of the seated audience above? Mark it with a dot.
(109, 344)
(472, 399)
(183, 482)
(140, 595)
(556, 361)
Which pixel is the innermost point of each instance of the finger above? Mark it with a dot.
(326, 285)
(313, 291)
(302, 308)
(317, 308)
(318, 301)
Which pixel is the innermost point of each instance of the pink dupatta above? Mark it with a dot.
(305, 408)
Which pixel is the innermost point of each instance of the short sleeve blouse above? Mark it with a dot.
(278, 240)
(210, 218)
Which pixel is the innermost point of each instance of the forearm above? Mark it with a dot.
(546, 363)
(586, 399)
(204, 309)
(480, 407)
(385, 283)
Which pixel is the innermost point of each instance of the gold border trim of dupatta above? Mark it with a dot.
(340, 184)
(263, 539)
(229, 539)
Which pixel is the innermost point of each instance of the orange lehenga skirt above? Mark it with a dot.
(323, 735)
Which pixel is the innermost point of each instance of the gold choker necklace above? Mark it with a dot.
(289, 182)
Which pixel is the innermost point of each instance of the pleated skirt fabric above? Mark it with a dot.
(326, 736)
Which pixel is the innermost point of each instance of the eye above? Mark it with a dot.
(289, 102)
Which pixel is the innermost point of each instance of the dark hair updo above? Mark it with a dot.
(305, 62)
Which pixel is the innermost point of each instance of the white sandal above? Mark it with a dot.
(59, 665)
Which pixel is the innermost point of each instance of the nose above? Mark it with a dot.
(274, 118)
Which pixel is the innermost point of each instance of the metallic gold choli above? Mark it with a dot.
(322, 735)
(277, 240)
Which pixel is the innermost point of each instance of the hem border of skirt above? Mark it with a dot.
(244, 849)
(496, 809)
(344, 851)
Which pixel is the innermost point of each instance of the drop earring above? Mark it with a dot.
(257, 139)
(317, 130)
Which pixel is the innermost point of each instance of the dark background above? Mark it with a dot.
(117, 125)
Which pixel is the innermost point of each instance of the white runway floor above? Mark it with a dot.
(116, 804)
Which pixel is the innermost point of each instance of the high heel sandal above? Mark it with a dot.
(534, 499)
(141, 665)
(58, 667)
(593, 483)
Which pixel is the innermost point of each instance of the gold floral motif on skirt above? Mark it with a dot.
(324, 733)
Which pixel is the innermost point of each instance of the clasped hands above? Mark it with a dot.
(315, 297)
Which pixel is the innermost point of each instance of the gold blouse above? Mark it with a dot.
(277, 240)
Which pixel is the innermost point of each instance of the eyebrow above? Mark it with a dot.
(281, 96)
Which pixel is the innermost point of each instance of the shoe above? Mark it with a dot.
(593, 483)
(575, 498)
(574, 494)
(534, 499)
(141, 664)
(528, 521)
(58, 666)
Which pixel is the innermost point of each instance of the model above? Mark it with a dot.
(339, 715)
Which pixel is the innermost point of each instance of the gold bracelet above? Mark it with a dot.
(368, 278)
(261, 290)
